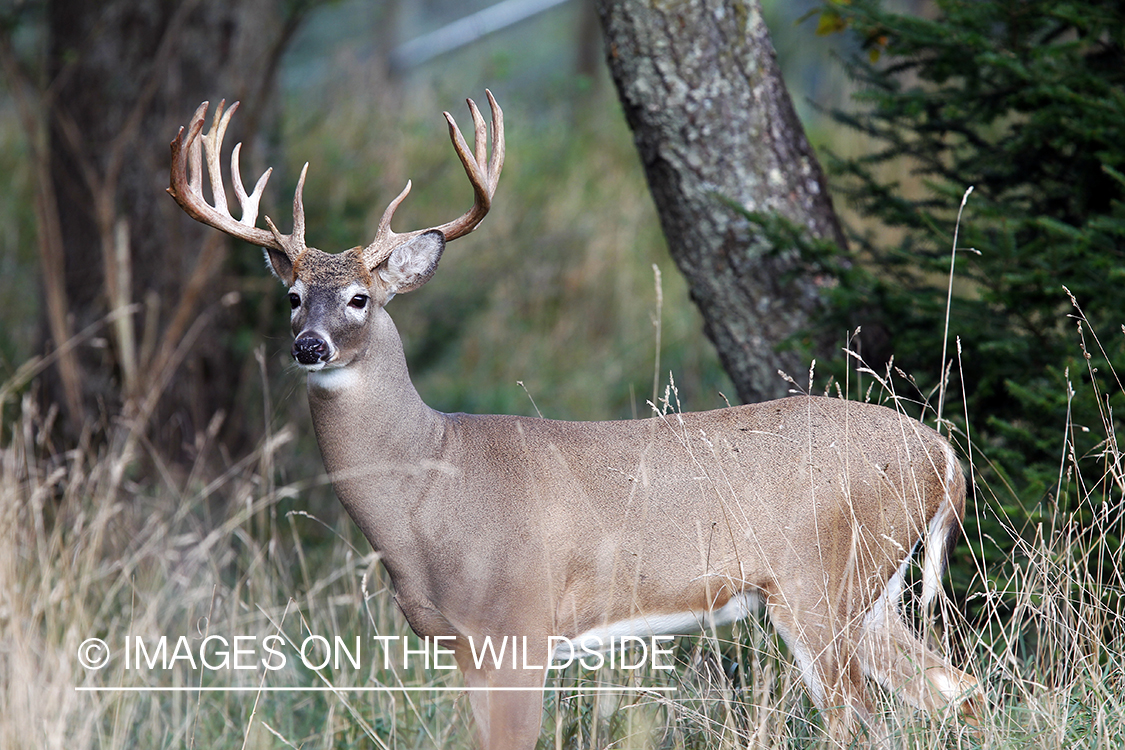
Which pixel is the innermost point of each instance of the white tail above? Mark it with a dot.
(565, 532)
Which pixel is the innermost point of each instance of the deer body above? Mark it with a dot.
(600, 523)
(513, 526)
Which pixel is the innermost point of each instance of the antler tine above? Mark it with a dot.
(473, 164)
(186, 186)
(295, 241)
(195, 151)
(384, 229)
(497, 162)
(250, 202)
(483, 175)
(480, 134)
(212, 150)
(299, 207)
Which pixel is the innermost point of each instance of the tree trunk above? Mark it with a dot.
(714, 125)
(124, 75)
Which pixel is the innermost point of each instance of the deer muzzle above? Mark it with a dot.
(310, 350)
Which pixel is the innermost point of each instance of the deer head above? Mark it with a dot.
(332, 294)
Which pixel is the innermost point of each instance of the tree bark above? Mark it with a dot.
(714, 125)
(122, 77)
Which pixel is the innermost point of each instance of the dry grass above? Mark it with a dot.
(84, 555)
(107, 543)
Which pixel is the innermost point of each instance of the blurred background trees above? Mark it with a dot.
(150, 323)
(100, 89)
(163, 327)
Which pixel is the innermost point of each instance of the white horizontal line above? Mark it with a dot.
(372, 689)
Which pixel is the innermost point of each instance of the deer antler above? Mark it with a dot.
(187, 186)
(483, 176)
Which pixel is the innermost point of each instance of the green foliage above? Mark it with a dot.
(1024, 100)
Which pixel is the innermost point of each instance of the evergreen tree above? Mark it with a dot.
(1024, 100)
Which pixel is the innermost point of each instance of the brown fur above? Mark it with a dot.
(498, 525)
(510, 526)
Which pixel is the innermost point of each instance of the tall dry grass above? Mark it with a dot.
(85, 555)
(104, 542)
(83, 559)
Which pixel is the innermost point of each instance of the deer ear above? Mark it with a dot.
(279, 265)
(412, 263)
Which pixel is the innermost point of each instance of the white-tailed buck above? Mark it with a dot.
(511, 526)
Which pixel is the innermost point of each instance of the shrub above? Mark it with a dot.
(1024, 100)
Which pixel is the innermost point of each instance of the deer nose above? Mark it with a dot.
(309, 350)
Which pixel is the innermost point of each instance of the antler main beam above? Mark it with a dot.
(187, 186)
(483, 174)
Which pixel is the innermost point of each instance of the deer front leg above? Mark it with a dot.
(506, 718)
(824, 644)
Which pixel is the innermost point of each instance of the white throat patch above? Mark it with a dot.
(332, 378)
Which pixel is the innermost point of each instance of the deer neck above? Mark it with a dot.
(374, 430)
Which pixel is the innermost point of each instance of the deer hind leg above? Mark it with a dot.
(825, 646)
(899, 661)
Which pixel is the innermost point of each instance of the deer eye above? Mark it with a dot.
(294, 300)
(358, 302)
